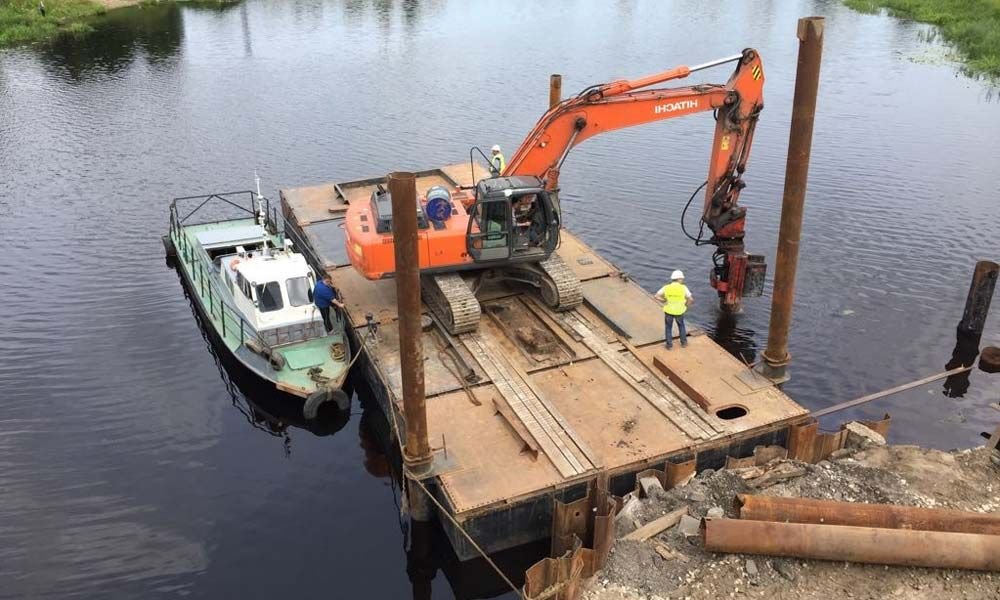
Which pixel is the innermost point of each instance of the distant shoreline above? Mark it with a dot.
(30, 21)
(971, 26)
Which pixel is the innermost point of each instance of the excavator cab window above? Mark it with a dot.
(492, 240)
(531, 223)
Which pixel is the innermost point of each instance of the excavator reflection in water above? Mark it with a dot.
(507, 226)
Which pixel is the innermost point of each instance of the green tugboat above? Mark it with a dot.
(254, 291)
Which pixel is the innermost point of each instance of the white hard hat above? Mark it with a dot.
(495, 148)
(678, 274)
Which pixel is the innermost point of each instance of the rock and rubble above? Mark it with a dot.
(673, 564)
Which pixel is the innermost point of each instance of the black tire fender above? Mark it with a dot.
(310, 408)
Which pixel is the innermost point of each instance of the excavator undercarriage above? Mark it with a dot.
(453, 300)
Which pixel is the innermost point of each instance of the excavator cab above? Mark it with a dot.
(513, 219)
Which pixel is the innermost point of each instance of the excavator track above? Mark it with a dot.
(558, 285)
(452, 301)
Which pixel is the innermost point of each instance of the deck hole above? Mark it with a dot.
(731, 412)
(576, 514)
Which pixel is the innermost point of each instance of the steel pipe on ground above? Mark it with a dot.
(904, 547)
(886, 516)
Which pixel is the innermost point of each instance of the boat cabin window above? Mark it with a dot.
(269, 296)
(299, 291)
(243, 284)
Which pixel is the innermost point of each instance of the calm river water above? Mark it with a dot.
(130, 465)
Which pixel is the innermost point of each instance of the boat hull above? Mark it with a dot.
(277, 407)
(312, 369)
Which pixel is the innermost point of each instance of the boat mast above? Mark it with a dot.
(261, 217)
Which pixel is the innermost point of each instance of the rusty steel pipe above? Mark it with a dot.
(989, 360)
(776, 356)
(977, 303)
(857, 514)
(555, 89)
(906, 547)
(417, 449)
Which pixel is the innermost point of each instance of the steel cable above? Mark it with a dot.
(442, 509)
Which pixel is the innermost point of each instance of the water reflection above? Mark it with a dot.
(428, 550)
(245, 29)
(740, 341)
(410, 10)
(373, 444)
(215, 6)
(152, 31)
(963, 355)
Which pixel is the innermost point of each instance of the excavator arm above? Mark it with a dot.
(625, 103)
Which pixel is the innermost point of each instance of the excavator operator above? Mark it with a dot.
(529, 219)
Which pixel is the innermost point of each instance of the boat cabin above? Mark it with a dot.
(271, 287)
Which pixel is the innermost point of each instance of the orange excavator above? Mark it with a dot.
(507, 225)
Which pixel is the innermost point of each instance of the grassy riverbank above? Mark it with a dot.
(972, 26)
(21, 21)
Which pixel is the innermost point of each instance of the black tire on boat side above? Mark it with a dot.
(310, 408)
(341, 399)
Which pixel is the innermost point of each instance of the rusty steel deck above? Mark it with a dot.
(560, 396)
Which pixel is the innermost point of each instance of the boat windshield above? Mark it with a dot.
(269, 296)
(299, 291)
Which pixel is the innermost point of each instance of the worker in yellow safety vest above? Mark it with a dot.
(497, 162)
(676, 298)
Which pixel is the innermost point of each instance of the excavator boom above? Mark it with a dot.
(620, 104)
(509, 226)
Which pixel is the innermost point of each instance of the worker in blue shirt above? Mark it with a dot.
(323, 297)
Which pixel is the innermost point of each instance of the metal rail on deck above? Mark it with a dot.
(199, 261)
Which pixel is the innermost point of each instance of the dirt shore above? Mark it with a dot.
(110, 4)
(905, 475)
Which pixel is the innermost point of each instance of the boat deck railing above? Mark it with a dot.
(244, 204)
(210, 289)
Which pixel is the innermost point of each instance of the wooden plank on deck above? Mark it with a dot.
(540, 420)
(635, 374)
